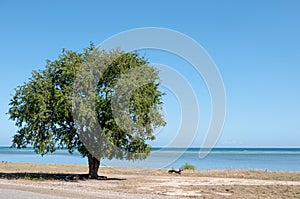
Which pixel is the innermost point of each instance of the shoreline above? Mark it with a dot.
(129, 182)
(281, 159)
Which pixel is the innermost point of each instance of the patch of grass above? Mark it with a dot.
(33, 177)
(188, 166)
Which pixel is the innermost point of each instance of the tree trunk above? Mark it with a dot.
(94, 164)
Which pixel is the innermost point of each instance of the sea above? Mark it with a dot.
(271, 159)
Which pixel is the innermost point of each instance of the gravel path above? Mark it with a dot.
(18, 194)
(24, 189)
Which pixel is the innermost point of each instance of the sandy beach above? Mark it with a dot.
(26, 180)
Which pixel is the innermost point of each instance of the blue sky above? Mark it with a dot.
(255, 45)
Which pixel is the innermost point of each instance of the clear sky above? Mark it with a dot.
(255, 44)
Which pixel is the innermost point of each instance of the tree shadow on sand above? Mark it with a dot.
(53, 176)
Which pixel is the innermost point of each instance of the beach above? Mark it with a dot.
(40, 181)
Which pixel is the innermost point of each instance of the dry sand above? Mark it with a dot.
(125, 182)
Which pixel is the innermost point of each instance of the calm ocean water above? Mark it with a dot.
(220, 158)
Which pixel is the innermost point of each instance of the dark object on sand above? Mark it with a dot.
(174, 171)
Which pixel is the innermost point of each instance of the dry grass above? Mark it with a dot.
(42, 168)
(157, 182)
(252, 174)
(69, 168)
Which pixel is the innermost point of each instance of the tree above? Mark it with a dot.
(47, 110)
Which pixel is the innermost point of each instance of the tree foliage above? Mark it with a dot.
(42, 107)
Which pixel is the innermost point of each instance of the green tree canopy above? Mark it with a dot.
(125, 104)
